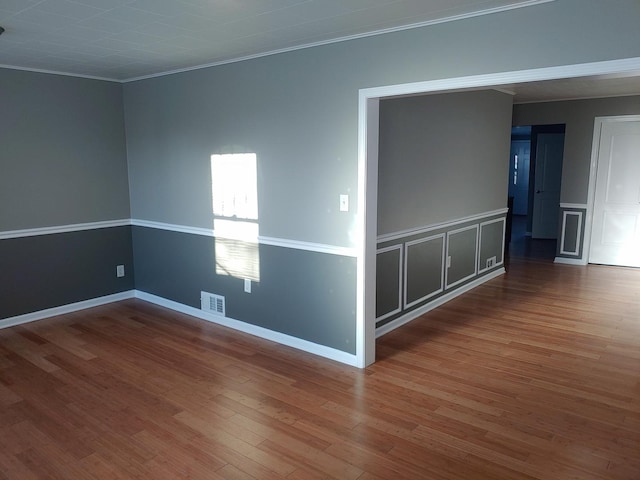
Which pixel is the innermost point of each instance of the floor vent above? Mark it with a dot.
(212, 303)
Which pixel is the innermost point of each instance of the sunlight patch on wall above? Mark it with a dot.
(234, 193)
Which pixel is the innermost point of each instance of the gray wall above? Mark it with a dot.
(304, 294)
(62, 161)
(442, 157)
(63, 154)
(579, 117)
(46, 271)
(298, 110)
(63, 147)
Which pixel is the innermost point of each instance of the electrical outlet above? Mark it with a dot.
(120, 271)
(491, 261)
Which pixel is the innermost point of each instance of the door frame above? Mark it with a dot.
(593, 170)
(367, 193)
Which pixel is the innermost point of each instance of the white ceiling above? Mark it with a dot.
(574, 88)
(126, 39)
(129, 39)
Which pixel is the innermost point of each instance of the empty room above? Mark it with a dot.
(316, 239)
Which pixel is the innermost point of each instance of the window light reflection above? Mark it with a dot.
(234, 193)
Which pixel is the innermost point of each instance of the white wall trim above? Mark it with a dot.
(57, 72)
(172, 227)
(308, 246)
(574, 206)
(591, 193)
(207, 232)
(570, 261)
(64, 309)
(263, 240)
(387, 237)
(565, 214)
(281, 338)
(76, 227)
(625, 65)
(413, 314)
(297, 343)
(400, 262)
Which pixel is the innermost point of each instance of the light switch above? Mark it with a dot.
(344, 203)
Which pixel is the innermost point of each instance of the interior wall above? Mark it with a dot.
(579, 117)
(62, 162)
(63, 151)
(442, 157)
(298, 111)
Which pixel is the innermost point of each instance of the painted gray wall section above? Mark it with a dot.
(298, 110)
(46, 271)
(492, 235)
(572, 236)
(62, 151)
(424, 268)
(388, 267)
(308, 295)
(461, 248)
(442, 157)
(579, 117)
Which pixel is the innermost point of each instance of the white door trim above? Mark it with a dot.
(593, 169)
(366, 216)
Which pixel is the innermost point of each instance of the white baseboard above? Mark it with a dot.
(261, 332)
(61, 310)
(570, 261)
(413, 314)
(297, 343)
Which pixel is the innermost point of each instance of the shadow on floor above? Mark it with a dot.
(523, 246)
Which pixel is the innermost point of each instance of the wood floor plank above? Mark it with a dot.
(534, 375)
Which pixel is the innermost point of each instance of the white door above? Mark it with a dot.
(548, 179)
(615, 233)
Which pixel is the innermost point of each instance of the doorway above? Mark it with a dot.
(368, 125)
(535, 178)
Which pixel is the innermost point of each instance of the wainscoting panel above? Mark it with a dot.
(491, 248)
(572, 230)
(389, 267)
(462, 255)
(424, 272)
(429, 265)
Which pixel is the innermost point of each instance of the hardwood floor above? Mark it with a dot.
(534, 375)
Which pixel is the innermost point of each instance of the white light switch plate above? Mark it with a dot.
(344, 203)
